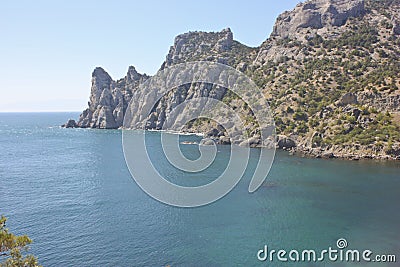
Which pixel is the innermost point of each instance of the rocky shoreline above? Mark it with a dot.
(344, 154)
(285, 143)
(356, 152)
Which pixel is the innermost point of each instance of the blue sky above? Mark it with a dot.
(48, 49)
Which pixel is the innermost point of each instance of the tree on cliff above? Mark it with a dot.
(12, 248)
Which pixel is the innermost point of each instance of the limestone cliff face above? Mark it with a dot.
(317, 14)
(326, 18)
(200, 45)
(109, 99)
(192, 46)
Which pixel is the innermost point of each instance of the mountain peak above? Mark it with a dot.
(132, 74)
(100, 72)
(316, 14)
(195, 44)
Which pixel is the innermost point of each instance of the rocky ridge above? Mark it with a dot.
(330, 71)
(109, 99)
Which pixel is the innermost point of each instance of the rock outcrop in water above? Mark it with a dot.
(330, 71)
(71, 123)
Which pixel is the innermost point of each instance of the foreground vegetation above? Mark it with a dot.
(13, 248)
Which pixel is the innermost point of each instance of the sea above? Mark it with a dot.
(71, 192)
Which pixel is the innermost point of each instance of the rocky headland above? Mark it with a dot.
(330, 71)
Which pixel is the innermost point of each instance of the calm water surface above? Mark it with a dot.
(71, 192)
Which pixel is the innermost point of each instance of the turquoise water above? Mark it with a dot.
(71, 192)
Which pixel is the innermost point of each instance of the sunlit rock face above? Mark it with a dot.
(317, 14)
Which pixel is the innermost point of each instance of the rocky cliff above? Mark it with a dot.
(316, 15)
(330, 70)
(109, 99)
